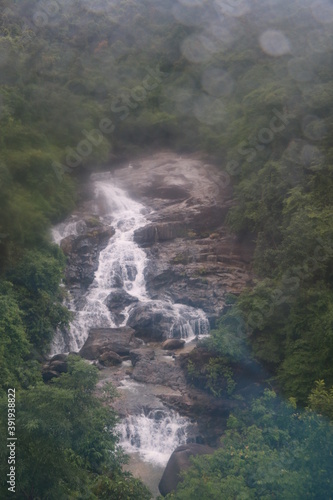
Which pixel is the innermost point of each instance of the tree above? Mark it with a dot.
(270, 451)
(36, 279)
(14, 345)
(321, 399)
(65, 439)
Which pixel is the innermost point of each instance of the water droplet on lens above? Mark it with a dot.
(4, 54)
(311, 155)
(322, 11)
(198, 48)
(300, 69)
(217, 82)
(209, 110)
(274, 43)
(233, 8)
(318, 40)
(313, 128)
(192, 3)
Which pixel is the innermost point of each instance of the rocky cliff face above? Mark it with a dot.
(193, 258)
(82, 251)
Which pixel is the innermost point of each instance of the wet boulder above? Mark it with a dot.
(49, 375)
(160, 320)
(141, 355)
(82, 253)
(119, 340)
(109, 358)
(178, 463)
(150, 320)
(173, 344)
(58, 357)
(54, 367)
(116, 303)
(164, 231)
(159, 371)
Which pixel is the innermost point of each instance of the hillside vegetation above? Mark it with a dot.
(85, 83)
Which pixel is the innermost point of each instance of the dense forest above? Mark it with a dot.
(86, 83)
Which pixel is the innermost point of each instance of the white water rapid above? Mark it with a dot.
(154, 434)
(151, 430)
(121, 265)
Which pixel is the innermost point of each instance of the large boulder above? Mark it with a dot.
(178, 463)
(54, 367)
(49, 375)
(116, 303)
(141, 355)
(159, 371)
(164, 231)
(159, 320)
(151, 320)
(100, 340)
(173, 344)
(109, 358)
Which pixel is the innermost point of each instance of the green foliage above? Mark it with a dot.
(66, 440)
(14, 345)
(116, 486)
(36, 279)
(214, 375)
(284, 197)
(215, 371)
(38, 272)
(308, 348)
(289, 329)
(321, 399)
(229, 338)
(271, 451)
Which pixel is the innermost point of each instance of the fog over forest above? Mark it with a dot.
(166, 200)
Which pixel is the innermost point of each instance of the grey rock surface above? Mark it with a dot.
(118, 340)
(173, 344)
(178, 463)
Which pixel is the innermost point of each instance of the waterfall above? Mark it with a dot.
(121, 266)
(189, 322)
(153, 434)
(152, 431)
(122, 262)
(73, 227)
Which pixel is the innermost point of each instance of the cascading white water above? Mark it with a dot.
(151, 430)
(121, 265)
(121, 262)
(154, 434)
(189, 322)
(62, 230)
